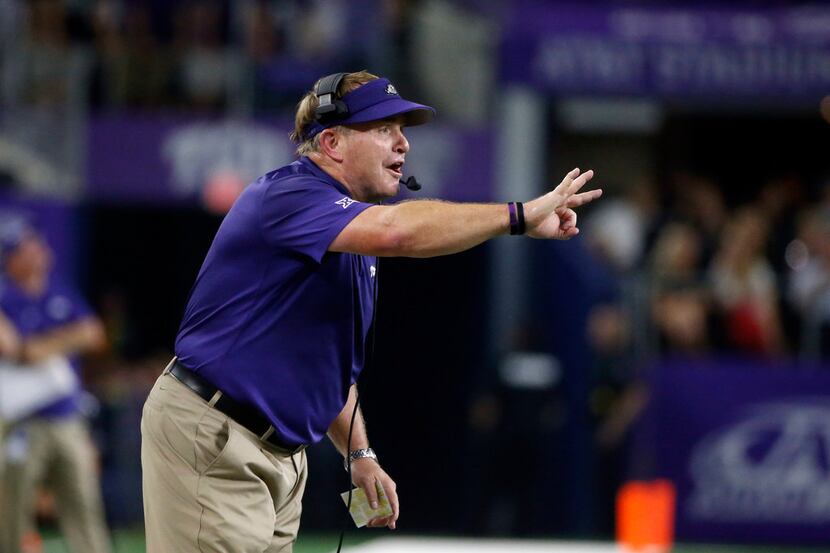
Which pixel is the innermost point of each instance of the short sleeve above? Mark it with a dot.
(306, 215)
(63, 305)
(78, 306)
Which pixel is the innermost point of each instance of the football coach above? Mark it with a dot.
(274, 334)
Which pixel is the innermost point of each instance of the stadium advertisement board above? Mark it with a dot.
(173, 160)
(697, 52)
(748, 446)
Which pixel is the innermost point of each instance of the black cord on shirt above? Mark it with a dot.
(371, 359)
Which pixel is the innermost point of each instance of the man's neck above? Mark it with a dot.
(333, 170)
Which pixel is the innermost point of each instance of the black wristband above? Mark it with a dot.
(514, 218)
(517, 218)
(520, 211)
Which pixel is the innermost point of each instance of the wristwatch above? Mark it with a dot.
(360, 454)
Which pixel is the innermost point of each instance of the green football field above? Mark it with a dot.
(132, 541)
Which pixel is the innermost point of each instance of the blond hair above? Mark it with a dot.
(308, 105)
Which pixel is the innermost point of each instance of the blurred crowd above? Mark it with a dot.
(193, 54)
(211, 55)
(701, 276)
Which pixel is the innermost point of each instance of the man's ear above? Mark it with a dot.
(331, 144)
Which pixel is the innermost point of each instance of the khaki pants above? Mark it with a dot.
(210, 485)
(59, 454)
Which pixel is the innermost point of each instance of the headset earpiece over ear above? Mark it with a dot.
(329, 105)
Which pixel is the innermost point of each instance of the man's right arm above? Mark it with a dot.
(421, 228)
(428, 228)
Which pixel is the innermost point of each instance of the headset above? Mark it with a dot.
(331, 108)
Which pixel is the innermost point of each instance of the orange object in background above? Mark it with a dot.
(31, 543)
(221, 190)
(645, 516)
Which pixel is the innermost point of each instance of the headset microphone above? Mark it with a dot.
(411, 183)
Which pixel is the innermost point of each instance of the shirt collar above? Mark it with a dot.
(315, 169)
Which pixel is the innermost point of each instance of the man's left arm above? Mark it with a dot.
(9, 339)
(82, 336)
(365, 471)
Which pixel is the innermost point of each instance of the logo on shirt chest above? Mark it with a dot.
(345, 202)
(59, 308)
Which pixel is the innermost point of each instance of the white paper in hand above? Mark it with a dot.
(360, 510)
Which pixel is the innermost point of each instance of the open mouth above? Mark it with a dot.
(396, 168)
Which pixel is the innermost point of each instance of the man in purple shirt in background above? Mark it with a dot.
(274, 333)
(53, 446)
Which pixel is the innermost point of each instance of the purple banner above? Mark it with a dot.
(669, 51)
(748, 447)
(179, 161)
(158, 160)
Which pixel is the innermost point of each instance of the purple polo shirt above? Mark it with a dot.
(274, 319)
(57, 306)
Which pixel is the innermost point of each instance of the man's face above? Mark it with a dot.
(31, 256)
(373, 158)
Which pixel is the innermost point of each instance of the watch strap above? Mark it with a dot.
(364, 453)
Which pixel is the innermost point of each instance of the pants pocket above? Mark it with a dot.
(213, 438)
(237, 505)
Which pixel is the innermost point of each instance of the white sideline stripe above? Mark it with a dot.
(435, 545)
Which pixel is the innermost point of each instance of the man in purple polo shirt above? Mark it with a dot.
(53, 446)
(274, 333)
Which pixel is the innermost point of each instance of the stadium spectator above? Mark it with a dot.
(42, 66)
(205, 69)
(619, 229)
(290, 43)
(9, 347)
(617, 397)
(780, 200)
(52, 447)
(809, 278)
(700, 202)
(745, 287)
(516, 413)
(110, 50)
(679, 300)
